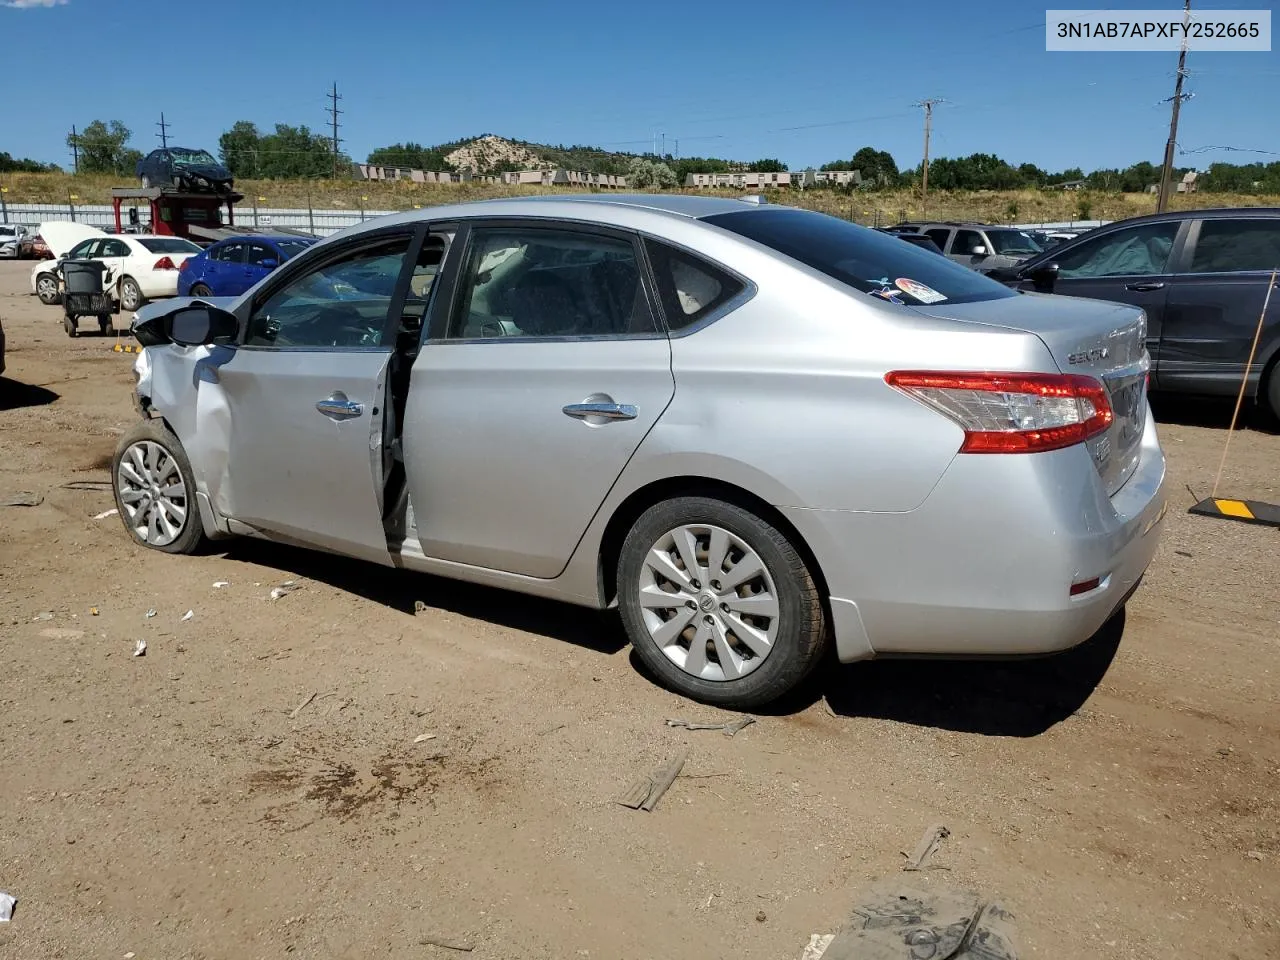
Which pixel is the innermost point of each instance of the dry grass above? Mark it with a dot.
(873, 207)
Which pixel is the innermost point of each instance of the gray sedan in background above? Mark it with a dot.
(763, 433)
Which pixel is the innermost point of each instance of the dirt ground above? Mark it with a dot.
(255, 787)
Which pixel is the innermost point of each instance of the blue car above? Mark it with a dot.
(230, 267)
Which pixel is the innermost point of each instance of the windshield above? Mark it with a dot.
(291, 248)
(169, 245)
(1013, 243)
(187, 158)
(875, 263)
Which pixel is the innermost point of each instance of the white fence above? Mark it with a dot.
(317, 221)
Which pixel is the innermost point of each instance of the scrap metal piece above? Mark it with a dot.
(23, 499)
(7, 903)
(926, 848)
(899, 923)
(645, 793)
(730, 728)
(446, 943)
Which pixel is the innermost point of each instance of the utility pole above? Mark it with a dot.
(75, 150)
(164, 132)
(664, 145)
(334, 111)
(924, 167)
(677, 148)
(1166, 173)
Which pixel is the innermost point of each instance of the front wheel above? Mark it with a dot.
(718, 603)
(47, 289)
(200, 290)
(155, 489)
(131, 297)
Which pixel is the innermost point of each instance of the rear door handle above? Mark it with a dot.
(601, 411)
(338, 407)
(1145, 287)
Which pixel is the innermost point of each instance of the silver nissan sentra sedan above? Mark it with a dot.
(761, 432)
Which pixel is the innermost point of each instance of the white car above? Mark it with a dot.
(11, 236)
(139, 267)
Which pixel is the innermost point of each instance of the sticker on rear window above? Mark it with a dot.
(919, 290)
(890, 294)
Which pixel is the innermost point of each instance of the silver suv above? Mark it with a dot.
(979, 246)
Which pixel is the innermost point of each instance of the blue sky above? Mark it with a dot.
(807, 83)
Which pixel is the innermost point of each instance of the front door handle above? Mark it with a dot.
(338, 407)
(1145, 286)
(601, 411)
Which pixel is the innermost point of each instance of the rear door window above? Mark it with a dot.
(1236, 246)
(872, 262)
(1133, 252)
(689, 287)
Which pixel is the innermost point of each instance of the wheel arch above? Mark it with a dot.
(638, 501)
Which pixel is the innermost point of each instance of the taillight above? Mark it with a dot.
(164, 263)
(184, 264)
(1013, 412)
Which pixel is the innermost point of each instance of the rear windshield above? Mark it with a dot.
(169, 245)
(875, 263)
(291, 248)
(1013, 243)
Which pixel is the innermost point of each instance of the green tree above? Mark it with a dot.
(240, 147)
(687, 165)
(104, 148)
(767, 165)
(297, 152)
(643, 173)
(10, 164)
(413, 155)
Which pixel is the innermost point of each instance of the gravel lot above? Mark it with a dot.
(1122, 799)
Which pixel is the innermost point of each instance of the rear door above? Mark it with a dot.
(306, 395)
(1214, 303)
(1132, 265)
(227, 271)
(544, 368)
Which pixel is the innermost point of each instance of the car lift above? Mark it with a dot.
(197, 217)
(1245, 511)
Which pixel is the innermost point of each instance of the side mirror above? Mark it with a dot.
(978, 250)
(1042, 277)
(191, 325)
(269, 264)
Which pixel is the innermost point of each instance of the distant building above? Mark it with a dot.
(811, 178)
(1186, 185)
(738, 180)
(1071, 185)
(568, 178)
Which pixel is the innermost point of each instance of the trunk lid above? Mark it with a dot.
(1103, 340)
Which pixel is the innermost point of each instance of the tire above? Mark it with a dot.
(70, 326)
(1271, 392)
(146, 182)
(150, 452)
(795, 636)
(199, 290)
(131, 297)
(47, 289)
(104, 325)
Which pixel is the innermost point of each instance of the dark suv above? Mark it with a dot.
(1200, 275)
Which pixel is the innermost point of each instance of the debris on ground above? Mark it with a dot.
(285, 588)
(219, 584)
(898, 923)
(926, 848)
(106, 513)
(761, 916)
(149, 614)
(22, 500)
(419, 607)
(187, 616)
(730, 728)
(424, 737)
(1254, 855)
(817, 946)
(87, 485)
(6, 907)
(645, 793)
(446, 943)
(46, 615)
(140, 648)
(302, 706)
(93, 611)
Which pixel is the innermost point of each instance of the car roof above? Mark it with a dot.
(241, 237)
(1216, 212)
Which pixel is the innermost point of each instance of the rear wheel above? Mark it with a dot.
(155, 489)
(200, 290)
(718, 603)
(69, 325)
(131, 297)
(1271, 391)
(47, 289)
(146, 182)
(104, 324)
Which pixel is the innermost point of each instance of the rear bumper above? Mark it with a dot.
(985, 565)
(158, 284)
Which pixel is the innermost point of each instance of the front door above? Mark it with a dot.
(530, 394)
(1214, 305)
(306, 393)
(1132, 265)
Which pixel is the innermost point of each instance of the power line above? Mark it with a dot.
(164, 132)
(1166, 173)
(333, 99)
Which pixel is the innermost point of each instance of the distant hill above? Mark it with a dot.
(490, 153)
